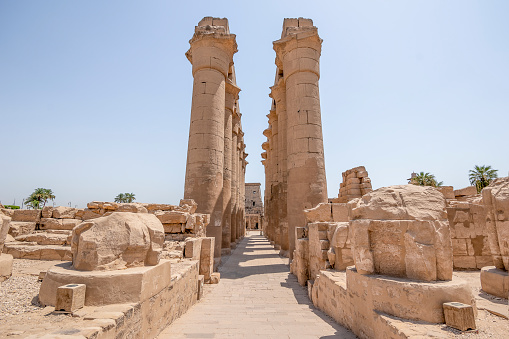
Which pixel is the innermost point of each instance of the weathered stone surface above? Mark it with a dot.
(188, 205)
(86, 214)
(320, 213)
(5, 222)
(207, 257)
(496, 202)
(133, 208)
(117, 241)
(401, 202)
(495, 281)
(21, 228)
(402, 231)
(64, 212)
(44, 238)
(26, 215)
(172, 217)
(160, 207)
(465, 192)
(5, 266)
(70, 297)
(447, 191)
(47, 212)
(460, 316)
(111, 206)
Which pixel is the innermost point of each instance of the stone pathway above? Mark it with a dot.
(257, 297)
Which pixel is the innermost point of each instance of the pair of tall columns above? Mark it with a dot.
(297, 169)
(212, 158)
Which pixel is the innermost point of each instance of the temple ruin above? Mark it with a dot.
(392, 262)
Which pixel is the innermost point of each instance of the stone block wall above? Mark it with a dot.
(470, 244)
(355, 184)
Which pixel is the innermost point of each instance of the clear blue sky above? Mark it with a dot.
(95, 96)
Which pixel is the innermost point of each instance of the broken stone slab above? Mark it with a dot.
(21, 227)
(64, 212)
(26, 215)
(6, 261)
(172, 217)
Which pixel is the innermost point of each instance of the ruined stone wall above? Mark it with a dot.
(46, 234)
(355, 184)
(470, 244)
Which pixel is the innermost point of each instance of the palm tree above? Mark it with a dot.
(425, 179)
(129, 197)
(120, 198)
(482, 176)
(39, 197)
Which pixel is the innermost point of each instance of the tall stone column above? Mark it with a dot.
(231, 97)
(211, 54)
(269, 182)
(278, 94)
(298, 57)
(235, 178)
(273, 122)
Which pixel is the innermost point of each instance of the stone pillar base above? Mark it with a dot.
(495, 281)
(108, 287)
(5, 266)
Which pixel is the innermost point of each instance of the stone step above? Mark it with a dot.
(46, 238)
(32, 250)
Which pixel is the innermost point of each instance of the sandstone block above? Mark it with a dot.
(174, 228)
(201, 281)
(464, 262)
(160, 207)
(117, 241)
(87, 214)
(132, 207)
(339, 212)
(460, 316)
(26, 215)
(5, 266)
(467, 191)
(192, 248)
(7, 212)
(172, 217)
(70, 298)
(495, 198)
(188, 205)
(322, 212)
(63, 212)
(402, 231)
(4, 229)
(447, 191)
(215, 277)
(47, 212)
(207, 257)
(495, 281)
(21, 227)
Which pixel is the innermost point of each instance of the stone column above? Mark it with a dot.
(298, 57)
(268, 183)
(278, 93)
(273, 122)
(211, 55)
(235, 178)
(231, 97)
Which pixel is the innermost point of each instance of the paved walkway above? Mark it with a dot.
(257, 297)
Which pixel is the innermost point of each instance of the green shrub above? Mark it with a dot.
(12, 207)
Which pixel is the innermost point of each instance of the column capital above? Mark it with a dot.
(232, 88)
(278, 90)
(272, 116)
(305, 38)
(218, 50)
(268, 132)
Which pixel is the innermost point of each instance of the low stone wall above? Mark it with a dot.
(358, 302)
(145, 319)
